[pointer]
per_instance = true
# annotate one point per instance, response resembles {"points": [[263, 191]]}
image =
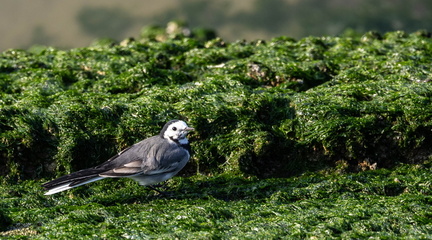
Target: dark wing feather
{"points": [[73, 178], [128, 169]]}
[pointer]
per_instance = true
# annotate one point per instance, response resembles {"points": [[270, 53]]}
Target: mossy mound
{"points": [[274, 108], [381, 204]]}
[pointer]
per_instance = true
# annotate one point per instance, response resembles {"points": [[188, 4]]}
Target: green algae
{"points": [[388, 203], [349, 99], [313, 111]]}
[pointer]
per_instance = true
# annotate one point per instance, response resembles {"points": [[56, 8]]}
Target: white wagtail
{"points": [[150, 161]]}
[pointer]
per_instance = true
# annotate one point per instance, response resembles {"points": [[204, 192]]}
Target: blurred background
{"points": [[68, 24]]}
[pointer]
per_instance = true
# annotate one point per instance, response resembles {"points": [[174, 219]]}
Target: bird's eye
{"points": [[174, 129]]}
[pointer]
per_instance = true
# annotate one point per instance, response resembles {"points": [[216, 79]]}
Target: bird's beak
{"points": [[189, 129]]}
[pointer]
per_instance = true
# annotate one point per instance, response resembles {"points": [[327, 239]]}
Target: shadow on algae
{"points": [[322, 137]]}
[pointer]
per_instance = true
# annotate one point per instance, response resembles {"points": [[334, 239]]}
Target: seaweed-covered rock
{"points": [[274, 108]]}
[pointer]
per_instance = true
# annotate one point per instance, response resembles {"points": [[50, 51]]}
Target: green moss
{"points": [[371, 119], [317, 101], [388, 203], [313, 111]]}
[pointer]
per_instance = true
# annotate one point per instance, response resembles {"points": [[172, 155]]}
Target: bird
{"points": [[150, 161]]}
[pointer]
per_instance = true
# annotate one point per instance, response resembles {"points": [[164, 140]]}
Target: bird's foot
{"points": [[162, 193]]}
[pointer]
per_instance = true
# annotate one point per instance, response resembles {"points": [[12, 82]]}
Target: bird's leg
{"points": [[155, 189]]}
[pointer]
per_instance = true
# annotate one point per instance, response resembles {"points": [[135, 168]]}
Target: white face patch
{"points": [[177, 132]]}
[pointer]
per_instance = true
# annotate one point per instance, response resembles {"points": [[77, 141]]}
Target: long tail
{"points": [[72, 180]]}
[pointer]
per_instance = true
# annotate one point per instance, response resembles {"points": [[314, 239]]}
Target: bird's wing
{"points": [[148, 158], [126, 170], [127, 162]]}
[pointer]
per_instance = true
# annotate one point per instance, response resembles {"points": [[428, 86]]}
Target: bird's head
{"points": [[176, 131]]}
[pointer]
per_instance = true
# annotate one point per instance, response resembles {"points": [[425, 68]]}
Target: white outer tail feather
{"points": [[66, 186]]}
